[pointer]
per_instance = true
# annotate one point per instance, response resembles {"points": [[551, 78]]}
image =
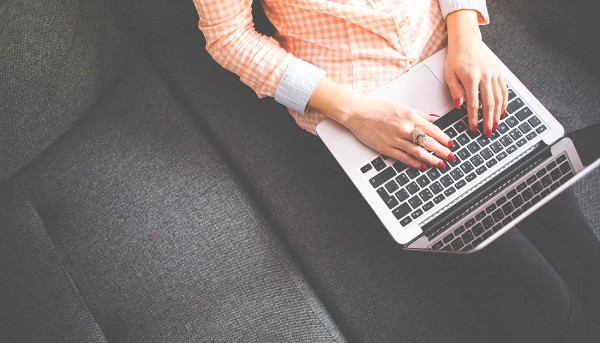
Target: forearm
{"points": [[334, 100], [463, 28]]}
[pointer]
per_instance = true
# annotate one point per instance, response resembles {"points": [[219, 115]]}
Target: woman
{"points": [[326, 55]]}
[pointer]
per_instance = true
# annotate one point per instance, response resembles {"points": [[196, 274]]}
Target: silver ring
{"points": [[419, 137]]}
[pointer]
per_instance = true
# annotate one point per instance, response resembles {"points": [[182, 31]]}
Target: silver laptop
{"points": [[494, 184]]}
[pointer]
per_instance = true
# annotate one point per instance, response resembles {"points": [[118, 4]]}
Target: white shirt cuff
{"points": [[449, 6], [297, 84]]}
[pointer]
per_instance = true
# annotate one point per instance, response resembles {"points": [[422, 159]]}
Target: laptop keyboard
{"points": [[495, 215], [410, 193]]}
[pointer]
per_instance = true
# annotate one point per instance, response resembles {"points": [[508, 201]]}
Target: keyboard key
{"points": [[402, 179], [481, 170], [483, 141], [460, 184], [531, 179], [501, 156], [428, 206], [460, 126], [423, 181], [551, 165], [406, 221], [565, 168], [487, 234], [536, 199], [458, 231], [546, 181], [412, 188], [476, 160], [402, 195], [426, 194], [415, 202], [436, 187], [498, 215], [501, 201], [534, 121], [561, 158], [531, 135], [496, 147], [391, 186], [540, 173], [521, 142], [517, 201], [515, 134], [457, 243], [527, 194], [412, 173], [486, 153], [507, 208], [511, 193], [463, 154], [480, 215], [382, 177], [400, 167], [447, 180], [401, 211], [473, 147], [451, 132], [366, 168], [478, 230], [537, 187], [470, 223], [456, 174], [438, 245], [505, 140], [449, 238], [514, 105], [541, 129], [517, 213], [473, 135], [525, 127], [491, 163], [471, 177], [433, 173], [389, 200], [378, 163], [511, 149], [512, 121], [476, 242], [463, 139], [466, 167], [511, 94], [467, 237], [523, 113], [487, 222], [438, 199], [555, 174], [502, 128], [416, 214], [490, 208], [448, 192]]}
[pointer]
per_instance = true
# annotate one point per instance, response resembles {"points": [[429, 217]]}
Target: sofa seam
{"points": [[62, 264]]}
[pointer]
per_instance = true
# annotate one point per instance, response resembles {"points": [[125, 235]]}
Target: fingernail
{"points": [[451, 157], [450, 144], [441, 164], [473, 128], [503, 113], [495, 126], [434, 115], [488, 133], [424, 167], [457, 103]]}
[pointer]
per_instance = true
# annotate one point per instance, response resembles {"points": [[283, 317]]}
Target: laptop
{"points": [[494, 183]]}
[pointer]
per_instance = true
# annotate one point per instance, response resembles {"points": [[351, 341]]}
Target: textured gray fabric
{"points": [[57, 58], [38, 300], [364, 279], [160, 240]]}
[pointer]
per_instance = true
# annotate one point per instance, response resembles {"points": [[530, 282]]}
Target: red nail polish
{"points": [[473, 129], [457, 103], [495, 126], [434, 115], [503, 113], [441, 164], [488, 133], [450, 144], [451, 157], [424, 167]]}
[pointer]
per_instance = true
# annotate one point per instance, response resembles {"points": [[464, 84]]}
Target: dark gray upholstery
{"points": [[57, 59]]}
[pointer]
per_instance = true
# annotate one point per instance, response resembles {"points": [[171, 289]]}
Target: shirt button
{"points": [[411, 61], [403, 22]]}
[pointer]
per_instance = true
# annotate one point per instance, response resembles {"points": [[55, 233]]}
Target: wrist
{"points": [[335, 101], [463, 28]]}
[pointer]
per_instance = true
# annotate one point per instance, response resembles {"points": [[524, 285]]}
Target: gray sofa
{"points": [[146, 195]]}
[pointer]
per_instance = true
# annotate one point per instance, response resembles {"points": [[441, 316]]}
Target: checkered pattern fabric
{"points": [[362, 44]]}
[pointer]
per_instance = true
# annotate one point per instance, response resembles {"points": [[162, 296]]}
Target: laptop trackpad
{"points": [[419, 89]]}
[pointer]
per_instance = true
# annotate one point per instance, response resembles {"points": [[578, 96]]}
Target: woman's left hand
{"points": [[472, 74]]}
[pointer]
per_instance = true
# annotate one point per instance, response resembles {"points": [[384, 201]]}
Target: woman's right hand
{"points": [[387, 127]]}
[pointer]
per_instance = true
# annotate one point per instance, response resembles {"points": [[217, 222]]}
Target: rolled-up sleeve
{"points": [[449, 6], [259, 60]]}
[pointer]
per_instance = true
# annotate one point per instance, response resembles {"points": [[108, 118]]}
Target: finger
{"points": [[405, 158], [488, 105], [504, 90], [441, 151], [420, 153], [437, 134], [498, 101], [471, 91], [455, 88]]}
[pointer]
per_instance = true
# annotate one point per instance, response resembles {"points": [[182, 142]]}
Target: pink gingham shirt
{"points": [[362, 44]]}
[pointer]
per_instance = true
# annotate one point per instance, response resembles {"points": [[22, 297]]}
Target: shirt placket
{"points": [[399, 13]]}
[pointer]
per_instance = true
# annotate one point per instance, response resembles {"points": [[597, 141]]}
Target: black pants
{"points": [[542, 281]]}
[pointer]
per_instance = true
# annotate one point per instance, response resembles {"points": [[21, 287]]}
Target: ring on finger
{"points": [[419, 137]]}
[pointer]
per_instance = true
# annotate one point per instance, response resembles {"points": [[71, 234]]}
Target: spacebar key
{"points": [[382, 177]]}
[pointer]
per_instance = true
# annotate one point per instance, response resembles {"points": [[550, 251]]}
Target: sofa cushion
{"points": [[159, 239], [58, 56]]}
